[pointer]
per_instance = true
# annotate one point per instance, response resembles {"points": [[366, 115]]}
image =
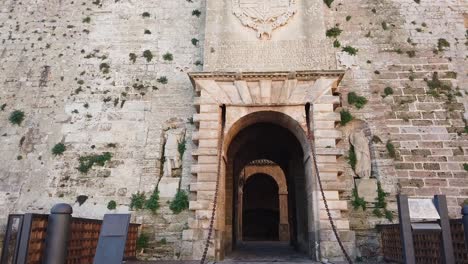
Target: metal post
{"points": [[406, 233], [58, 233], [465, 224], [22, 255], [440, 202]]}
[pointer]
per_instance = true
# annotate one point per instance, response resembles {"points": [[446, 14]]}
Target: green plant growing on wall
{"points": [[384, 25], [377, 212], [16, 117], [111, 205], [388, 215], [195, 41], [411, 53], [145, 14], [2, 108], [442, 44], [196, 13], [465, 166], [153, 201], [87, 162], [328, 2], [168, 57], [381, 204], [132, 57], [162, 79], [180, 202], [336, 43], [147, 32], [181, 147], [435, 83], [142, 241], [352, 159], [381, 196], [148, 55], [388, 91], [58, 149], [358, 202], [350, 50], [86, 20], [137, 201], [391, 149], [348, 18], [356, 100], [346, 117], [333, 32], [104, 68]]}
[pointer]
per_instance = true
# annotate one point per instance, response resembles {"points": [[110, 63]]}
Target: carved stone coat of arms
{"points": [[264, 15]]}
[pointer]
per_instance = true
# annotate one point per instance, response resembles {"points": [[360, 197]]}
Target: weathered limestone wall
{"points": [[427, 131], [67, 66], [52, 56]]}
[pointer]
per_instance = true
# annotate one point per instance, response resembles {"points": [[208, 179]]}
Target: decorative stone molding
{"points": [[264, 16]]}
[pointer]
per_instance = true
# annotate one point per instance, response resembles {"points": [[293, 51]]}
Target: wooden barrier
{"points": [[427, 246], [82, 244]]}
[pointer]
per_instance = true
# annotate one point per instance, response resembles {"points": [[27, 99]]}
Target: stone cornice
{"points": [[278, 75]]}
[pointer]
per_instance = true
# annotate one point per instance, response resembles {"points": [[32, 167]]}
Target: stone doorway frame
{"points": [[276, 173], [222, 100]]}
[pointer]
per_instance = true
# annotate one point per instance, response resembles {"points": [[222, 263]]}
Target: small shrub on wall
{"points": [[16, 117], [58, 149], [137, 201], [111, 205], [180, 202]]}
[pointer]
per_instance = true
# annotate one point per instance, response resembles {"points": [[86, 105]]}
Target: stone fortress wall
{"points": [[67, 66], [54, 56]]}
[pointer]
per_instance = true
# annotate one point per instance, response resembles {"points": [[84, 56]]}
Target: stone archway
{"points": [[271, 169], [229, 104]]}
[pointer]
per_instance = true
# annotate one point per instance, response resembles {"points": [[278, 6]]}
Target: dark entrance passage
{"points": [[260, 209], [269, 205]]}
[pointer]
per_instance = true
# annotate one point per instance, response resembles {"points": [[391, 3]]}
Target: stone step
{"points": [[198, 168], [205, 152], [205, 117], [330, 151]]}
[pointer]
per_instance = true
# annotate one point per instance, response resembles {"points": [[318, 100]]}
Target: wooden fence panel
{"points": [[426, 245], [84, 236]]}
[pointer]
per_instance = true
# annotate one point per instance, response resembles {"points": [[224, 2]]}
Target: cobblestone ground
{"points": [[256, 252], [266, 252]]}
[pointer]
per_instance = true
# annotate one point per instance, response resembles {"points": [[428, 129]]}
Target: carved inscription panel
{"points": [[266, 55]]}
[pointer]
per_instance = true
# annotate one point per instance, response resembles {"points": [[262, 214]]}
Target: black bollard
{"points": [[58, 233], [465, 223]]}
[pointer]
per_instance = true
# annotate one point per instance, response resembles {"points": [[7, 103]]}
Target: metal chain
{"points": [[310, 137], [215, 199]]}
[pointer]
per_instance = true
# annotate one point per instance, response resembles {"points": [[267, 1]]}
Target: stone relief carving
{"points": [[172, 157], [346, 61], [264, 16], [361, 147], [174, 140]]}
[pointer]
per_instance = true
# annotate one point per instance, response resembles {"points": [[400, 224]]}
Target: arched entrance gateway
{"points": [[254, 156]]}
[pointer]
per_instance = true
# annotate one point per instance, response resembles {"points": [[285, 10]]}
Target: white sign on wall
{"points": [[422, 209]]}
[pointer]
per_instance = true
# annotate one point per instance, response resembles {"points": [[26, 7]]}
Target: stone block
{"points": [[168, 187], [367, 189]]}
